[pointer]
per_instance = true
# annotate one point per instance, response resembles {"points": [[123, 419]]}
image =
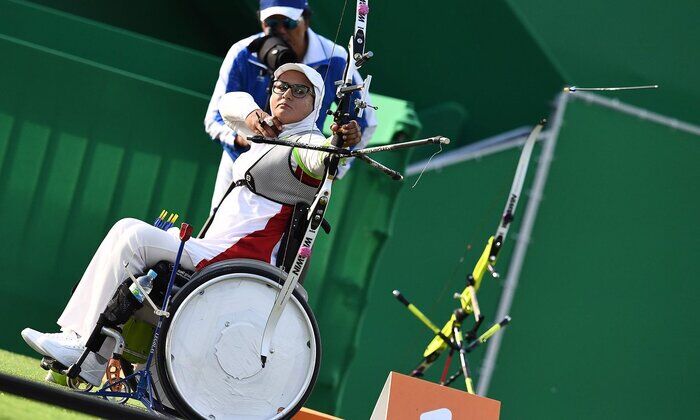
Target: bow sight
{"points": [[345, 87]]}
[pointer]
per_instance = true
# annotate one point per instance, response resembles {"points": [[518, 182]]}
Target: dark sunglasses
{"points": [[288, 23], [298, 91]]}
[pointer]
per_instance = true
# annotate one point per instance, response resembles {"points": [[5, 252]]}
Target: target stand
{"points": [[405, 397]]}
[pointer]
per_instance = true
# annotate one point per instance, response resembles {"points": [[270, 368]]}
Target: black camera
{"points": [[273, 51]]}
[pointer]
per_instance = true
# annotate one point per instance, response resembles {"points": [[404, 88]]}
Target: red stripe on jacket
{"points": [[257, 245]]}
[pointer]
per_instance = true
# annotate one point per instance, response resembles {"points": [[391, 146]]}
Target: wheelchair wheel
{"points": [[209, 349]]}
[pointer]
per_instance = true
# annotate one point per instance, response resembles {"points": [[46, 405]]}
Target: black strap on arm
{"points": [[210, 219]]}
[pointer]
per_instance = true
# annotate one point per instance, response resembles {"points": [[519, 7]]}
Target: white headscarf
{"points": [[234, 107], [309, 122]]}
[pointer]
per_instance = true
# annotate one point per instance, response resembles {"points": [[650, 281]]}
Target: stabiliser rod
{"points": [[396, 176], [424, 319], [476, 343], [397, 146]]}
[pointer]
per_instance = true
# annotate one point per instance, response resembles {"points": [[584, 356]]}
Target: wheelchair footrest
{"points": [[48, 363]]}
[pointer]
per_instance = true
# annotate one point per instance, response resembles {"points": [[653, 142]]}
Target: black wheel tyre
{"points": [[212, 272]]}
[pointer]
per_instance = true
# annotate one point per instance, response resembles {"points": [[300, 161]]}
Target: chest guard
{"points": [[272, 177]]}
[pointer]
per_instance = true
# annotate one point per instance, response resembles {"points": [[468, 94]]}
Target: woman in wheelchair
{"points": [[249, 223]]}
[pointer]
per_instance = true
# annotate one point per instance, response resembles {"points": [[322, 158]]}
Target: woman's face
{"points": [[288, 108]]}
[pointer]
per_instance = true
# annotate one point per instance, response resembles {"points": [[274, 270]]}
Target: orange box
{"points": [[308, 414], [408, 398]]}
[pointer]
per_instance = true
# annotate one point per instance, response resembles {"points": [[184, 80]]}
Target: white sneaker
{"points": [[33, 337], [67, 350]]}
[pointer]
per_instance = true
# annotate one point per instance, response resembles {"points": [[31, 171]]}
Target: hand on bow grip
{"points": [[350, 133]]}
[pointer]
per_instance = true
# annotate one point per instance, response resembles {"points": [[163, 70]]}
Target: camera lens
{"points": [[274, 52]]}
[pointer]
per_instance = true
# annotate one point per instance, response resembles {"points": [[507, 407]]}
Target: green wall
{"points": [[603, 318], [622, 43], [159, 61], [209, 26], [82, 146], [605, 309]]}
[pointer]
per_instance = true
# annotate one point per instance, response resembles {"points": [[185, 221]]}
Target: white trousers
{"points": [[224, 178], [135, 241]]}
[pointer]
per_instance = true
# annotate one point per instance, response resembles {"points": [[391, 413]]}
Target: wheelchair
{"points": [[240, 340], [206, 360]]}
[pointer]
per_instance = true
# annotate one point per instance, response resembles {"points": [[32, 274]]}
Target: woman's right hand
{"points": [[260, 122]]}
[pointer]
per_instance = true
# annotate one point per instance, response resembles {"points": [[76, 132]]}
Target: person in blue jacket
{"points": [[244, 71]]}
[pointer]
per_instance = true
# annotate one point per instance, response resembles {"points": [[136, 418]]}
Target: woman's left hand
{"points": [[350, 133]]}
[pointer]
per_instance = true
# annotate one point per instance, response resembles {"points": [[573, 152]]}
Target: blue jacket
{"points": [[241, 71]]}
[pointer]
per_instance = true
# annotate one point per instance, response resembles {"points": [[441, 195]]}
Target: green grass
{"points": [[13, 407]]}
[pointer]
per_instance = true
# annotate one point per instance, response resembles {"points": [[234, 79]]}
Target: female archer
{"points": [[250, 221]]}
